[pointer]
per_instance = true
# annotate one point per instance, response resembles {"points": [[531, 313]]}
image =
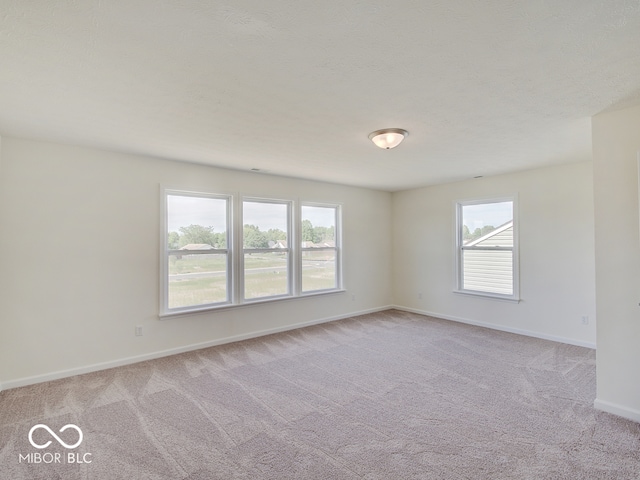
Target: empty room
{"points": [[331, 240]]}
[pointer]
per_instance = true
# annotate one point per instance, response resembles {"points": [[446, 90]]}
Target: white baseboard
{"points": [[618, 410], [518, 331], [47, 377]]}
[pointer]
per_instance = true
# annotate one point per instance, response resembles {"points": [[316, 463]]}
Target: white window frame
{"points": [[288, 250], [235, 250], [337, 249], [166, 253], [460, 247]]}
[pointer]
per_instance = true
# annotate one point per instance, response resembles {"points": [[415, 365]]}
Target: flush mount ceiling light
{"points": [[388, 137]]}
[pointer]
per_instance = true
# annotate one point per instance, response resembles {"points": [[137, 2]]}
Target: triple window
{"points": [[220, 250], [487, 260]]}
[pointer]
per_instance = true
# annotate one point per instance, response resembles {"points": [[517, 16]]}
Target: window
{"points": [[487, 248], [197, 261], [320, 254], [227, 250], [266, 248]]}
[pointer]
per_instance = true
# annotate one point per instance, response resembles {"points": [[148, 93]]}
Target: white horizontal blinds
{"points": [[197, 257], [487, 250], [320, 248], [266, 248]]}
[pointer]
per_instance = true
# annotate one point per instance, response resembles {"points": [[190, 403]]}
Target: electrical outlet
{"points": [[420, 296], [138, 330], [353, 298], [585, 320]]}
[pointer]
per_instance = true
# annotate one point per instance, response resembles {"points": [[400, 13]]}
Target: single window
{"points": [[197, 257], [320, 248], [266, 248], [487, 248]]}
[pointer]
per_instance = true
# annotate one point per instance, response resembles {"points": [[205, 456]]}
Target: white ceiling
{"points": [[293, 87]]}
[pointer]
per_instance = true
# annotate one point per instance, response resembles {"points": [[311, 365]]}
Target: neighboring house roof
{"points": [[197, 246], [278, 244], [330, 244], [497, 231]]}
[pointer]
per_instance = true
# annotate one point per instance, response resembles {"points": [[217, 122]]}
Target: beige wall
{"points": [[616, 143], [79, 252], [557, 273]]}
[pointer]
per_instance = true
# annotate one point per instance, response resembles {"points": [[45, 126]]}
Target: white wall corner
{"points": [[618, 410]]}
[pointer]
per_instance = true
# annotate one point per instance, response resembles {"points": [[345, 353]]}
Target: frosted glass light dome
{"points": [[388, 137]]}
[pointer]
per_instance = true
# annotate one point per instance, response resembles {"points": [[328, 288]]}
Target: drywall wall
{"points": [[80, 259], [557, 273], [616, 143]]}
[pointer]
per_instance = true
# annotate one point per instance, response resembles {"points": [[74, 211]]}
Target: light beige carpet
{"points": [[390, 395]]}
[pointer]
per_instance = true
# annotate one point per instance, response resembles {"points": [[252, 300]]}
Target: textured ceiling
{"points": [[294, 88]]}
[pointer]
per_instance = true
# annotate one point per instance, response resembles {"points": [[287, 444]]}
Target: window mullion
{"points": [[238, 260]]}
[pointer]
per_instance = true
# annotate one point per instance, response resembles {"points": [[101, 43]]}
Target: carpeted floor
{"points": [[390, 395]]}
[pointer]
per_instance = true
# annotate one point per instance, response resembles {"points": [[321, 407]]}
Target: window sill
{"points": [[247, 303], [489, 296]]}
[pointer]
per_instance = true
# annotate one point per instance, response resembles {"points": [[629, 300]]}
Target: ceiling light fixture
{"points": [[388, 137]]}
